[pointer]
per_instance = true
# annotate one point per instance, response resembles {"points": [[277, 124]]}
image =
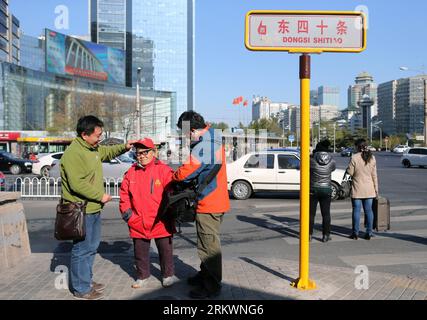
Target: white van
{"points": [[415, 157]]}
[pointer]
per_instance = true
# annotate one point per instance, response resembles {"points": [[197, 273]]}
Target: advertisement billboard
{"points": [[72, 56]]}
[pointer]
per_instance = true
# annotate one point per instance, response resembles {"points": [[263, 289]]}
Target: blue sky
{"points": [[225, 69]]}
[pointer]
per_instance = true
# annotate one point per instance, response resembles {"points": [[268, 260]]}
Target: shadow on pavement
{"points": [[263, 267]]}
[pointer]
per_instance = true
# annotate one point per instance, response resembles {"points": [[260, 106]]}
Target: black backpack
{"points": [[181, 200]]}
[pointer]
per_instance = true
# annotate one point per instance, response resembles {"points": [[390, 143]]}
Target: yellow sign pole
{"points": [[303, 282]]}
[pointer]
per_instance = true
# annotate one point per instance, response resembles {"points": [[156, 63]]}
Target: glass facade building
{"points": [[9, 34], [40, 101], [328, 96], [32, 53], [159, 39]]}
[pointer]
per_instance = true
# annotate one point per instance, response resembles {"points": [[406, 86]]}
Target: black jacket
{"points": [[321, 167]]}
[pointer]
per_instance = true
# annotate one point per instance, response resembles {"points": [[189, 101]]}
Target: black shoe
{"points": [[195, 280], [202, 293], [368, 236], [354, 236], [326, 238]]}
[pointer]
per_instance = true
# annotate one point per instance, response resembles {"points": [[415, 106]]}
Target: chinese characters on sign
{"points": [[305, 31]]}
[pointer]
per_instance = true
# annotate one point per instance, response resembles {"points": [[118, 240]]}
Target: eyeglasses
{"points": [[144, 152]]}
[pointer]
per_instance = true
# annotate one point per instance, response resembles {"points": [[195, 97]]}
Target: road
{"points": [[267, 226]]}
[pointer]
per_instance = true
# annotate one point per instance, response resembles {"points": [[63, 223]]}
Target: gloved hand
{"points": [[126, 215]]}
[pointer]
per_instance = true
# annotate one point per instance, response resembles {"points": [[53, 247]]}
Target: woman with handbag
{"points": [[141, 194], [364, 189]]}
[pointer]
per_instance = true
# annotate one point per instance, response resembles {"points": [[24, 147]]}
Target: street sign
{"points": [[305, 31], [291, 138]]}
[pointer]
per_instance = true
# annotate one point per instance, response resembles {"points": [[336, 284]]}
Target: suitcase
{"points": [[381, 208]]}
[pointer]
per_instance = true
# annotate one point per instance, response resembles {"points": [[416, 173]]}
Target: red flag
{"points": [[235, 101], [245, 104], [240, 99]]}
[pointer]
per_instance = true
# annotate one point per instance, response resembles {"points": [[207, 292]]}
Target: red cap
{"points": [[146, 142]]}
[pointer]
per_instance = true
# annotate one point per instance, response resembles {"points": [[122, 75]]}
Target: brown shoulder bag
{"points": [[70, 220]]}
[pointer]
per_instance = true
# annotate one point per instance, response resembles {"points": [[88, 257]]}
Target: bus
{"points": [[37, 146]]}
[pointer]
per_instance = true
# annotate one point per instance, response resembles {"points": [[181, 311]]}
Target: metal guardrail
{"points": [[50, 188]]}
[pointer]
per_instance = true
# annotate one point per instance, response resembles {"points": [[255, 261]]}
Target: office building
{"points": [[33, 52], [158, 37], [387, 106], [43, 101], [328, 96], [10, 34]]}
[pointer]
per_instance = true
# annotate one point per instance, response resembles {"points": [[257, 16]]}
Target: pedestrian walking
{"points": [[207, 151], [141, 193], [363, 171], [321, 167], [82, 181]]}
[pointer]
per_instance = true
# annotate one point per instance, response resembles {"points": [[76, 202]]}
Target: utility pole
{"points": [[334, 136], [138, 103]]}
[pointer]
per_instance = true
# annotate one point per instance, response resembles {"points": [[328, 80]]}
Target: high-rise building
{"points": [[387, 106], [33, 52], [9, 34], [314, 97], [364, 84], [264, 108], [329, 96], [410, 104], [158, 37]]}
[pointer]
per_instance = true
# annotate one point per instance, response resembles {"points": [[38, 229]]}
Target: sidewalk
{"points": [[243, 279]]}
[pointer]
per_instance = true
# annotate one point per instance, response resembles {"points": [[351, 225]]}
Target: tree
{"points": [[219, 125]]}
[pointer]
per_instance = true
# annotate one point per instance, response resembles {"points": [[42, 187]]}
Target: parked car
{"points": [[13, 164], [2, 181], [400, 148], [114, 169], [415, 157], [42, 167], [270, 171], [347, 152]]}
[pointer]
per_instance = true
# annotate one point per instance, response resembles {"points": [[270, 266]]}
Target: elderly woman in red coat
{"points": [[140, 197]]}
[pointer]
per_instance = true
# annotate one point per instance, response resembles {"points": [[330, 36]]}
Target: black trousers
{"points": [[325, 209], [142, 257]]}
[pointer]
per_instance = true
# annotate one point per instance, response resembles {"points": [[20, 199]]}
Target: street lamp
{"points": [[138, 103], [422, 69], [381, 133]]}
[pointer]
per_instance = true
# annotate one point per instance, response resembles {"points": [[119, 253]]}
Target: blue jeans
{"points": [[83, 255], [367, 208]]}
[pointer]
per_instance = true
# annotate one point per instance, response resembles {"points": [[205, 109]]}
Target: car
{"points": [[347, 152], [371, 148], [400, 148], [13, 164], [2, 181], [114, 169], [42, 167], [415, 157], [276, 171]]}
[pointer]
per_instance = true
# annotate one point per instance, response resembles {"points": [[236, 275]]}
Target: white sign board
{"points": [[305, 31]]}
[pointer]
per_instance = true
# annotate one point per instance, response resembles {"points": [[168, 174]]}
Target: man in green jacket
{"points": [[82, 180]]}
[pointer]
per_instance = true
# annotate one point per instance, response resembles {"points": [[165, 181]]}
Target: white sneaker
{"points": [[169, 281], [139, 283]]}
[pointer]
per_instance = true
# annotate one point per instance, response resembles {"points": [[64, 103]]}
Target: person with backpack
{"points": [[363, 171], [321, 167], [141, 193], [206, 152]]}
